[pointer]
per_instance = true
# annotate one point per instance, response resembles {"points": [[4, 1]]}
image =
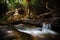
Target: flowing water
{"points": [[38, 33], [27, 33]]}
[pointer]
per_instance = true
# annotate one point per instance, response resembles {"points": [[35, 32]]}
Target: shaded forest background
{"points": [[38, 6]]}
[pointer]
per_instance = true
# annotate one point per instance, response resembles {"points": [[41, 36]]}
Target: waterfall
{"points": [[36, 32]]}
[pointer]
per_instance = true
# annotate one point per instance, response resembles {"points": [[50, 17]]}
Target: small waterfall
{"points": [[37, 32]]}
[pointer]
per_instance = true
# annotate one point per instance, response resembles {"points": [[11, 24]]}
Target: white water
{"points": [[37, 32]]}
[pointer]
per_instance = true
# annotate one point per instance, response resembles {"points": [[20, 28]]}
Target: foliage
{"points": [[25, 3], [38, 6], [3, 9]]}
